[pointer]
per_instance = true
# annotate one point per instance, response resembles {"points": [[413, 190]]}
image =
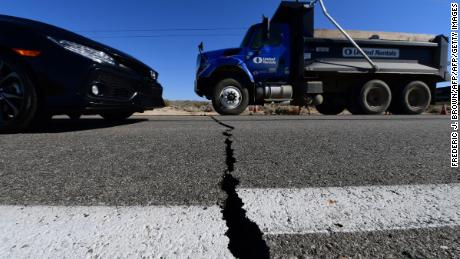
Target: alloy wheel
{"points": [[12, 93]]}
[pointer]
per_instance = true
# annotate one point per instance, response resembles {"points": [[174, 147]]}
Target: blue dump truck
{"points": [[280, 60]]}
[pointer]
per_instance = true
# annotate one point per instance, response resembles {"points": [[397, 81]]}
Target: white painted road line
{"points": [[352, 209], [109, 232]]}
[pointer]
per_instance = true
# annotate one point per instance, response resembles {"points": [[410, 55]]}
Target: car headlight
{"points": [[87, 52]]}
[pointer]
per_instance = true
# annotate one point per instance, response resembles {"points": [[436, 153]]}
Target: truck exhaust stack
{"points": [[326, 13]]}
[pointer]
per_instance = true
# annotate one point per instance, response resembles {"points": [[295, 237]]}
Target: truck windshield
{"points": [[249, 34], [255, 40]]}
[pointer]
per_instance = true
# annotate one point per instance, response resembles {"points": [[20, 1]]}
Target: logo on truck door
{"points": [[371, 52], [267, 61]]}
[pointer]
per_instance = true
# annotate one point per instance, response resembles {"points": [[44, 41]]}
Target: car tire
{"points": [[230, 97], [19, 101], [116, 117], [375, 97], [415, 98], [331, 106]]}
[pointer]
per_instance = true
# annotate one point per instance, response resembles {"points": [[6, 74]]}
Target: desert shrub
{"points": [[434, 109], [207, 108], [190, 106], [268, 109], [287, 110]]}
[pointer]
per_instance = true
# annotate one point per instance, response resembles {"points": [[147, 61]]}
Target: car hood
{"points": [[62, 34]]}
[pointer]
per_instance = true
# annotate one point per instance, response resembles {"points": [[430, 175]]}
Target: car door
{"points": [[269, 60]]}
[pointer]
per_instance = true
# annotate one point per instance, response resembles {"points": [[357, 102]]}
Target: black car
{"points": [[46, 71]]}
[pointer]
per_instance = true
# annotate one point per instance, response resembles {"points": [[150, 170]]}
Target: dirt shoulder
{"points": [[198, 108]]}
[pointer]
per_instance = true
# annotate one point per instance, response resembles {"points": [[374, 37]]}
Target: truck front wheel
{"points": [[230, 97], [416, 97], [375, 97], [332, 105]]}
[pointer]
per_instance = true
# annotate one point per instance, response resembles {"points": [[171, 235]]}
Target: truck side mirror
{"points": [[266, 28]]}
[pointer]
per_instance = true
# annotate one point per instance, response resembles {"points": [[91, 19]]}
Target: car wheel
{"points": [[375, 97], [114, 117], [331, 106], [230, 97], [416, 98], [18, 97]]}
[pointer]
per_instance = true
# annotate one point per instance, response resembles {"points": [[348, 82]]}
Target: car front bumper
{"points": [[67, 86], [65, 81], [122, 90]]}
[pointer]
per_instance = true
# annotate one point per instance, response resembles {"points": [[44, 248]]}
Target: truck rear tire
{"points": [[375, 97], [230, 97], [415, 98], [331, 106]]}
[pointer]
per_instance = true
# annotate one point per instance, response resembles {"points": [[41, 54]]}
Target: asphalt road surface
{"points": [[223, 187]]}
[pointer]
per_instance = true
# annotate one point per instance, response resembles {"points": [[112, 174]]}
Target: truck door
{"points": [[270, 60]]}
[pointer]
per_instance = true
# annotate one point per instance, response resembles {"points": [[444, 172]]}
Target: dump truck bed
{"points": [[356, 34], [385, 66], [412, 56]]}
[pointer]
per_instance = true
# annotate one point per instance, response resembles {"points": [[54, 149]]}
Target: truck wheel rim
{"points": [[12, 94], [230, 97], [417, 98], [377, 97]]}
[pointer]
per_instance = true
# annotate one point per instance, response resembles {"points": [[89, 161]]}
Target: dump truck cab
{"points": [[258, 59]]}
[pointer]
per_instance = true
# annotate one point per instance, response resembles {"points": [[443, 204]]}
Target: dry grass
{"points": [[190, 106], [276, 109], [436, 109]]}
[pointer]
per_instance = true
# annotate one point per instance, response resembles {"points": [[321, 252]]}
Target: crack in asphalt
{"points": [[246, 238]]}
